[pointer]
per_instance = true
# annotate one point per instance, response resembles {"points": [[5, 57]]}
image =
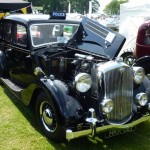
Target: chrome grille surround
{"points": [[117, 79]]}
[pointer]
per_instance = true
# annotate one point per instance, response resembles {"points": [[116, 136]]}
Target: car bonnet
{"points": [[96, 39]]}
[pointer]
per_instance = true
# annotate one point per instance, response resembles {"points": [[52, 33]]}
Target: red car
{"points": [[142, 50], [143, 41]]}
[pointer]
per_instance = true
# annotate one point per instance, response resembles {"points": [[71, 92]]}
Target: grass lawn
{"points": [[18, 132]]}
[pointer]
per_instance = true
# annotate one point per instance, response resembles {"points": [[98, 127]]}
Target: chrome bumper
{"points": [[72, 135]]}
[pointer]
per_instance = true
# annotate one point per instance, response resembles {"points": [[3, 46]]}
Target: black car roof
{"points": [[26, 18]]}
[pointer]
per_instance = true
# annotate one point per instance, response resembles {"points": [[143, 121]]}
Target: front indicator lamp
{"points": [[107, 105], [139, 74], [142, 99]]}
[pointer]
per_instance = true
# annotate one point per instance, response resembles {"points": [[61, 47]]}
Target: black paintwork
{"points": [[92, 37], [60, 66], [21, 62]]}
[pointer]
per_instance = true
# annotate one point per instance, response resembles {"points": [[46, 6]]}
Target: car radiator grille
{"points": [[119, 87]]}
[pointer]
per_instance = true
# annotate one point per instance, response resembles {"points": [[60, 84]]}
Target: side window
{"points": [[7, 31], [147, 37], [0, 31], [20, 35]]}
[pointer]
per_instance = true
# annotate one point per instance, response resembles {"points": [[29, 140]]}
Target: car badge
{"points": [[121, 70]]}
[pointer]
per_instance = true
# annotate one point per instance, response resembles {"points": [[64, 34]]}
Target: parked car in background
{"points": [[68, 70], [142, 50]]}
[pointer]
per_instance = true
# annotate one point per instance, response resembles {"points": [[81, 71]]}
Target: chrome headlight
{"points": [[107, 105], [83, 82], [142, 99], [139, 74]]}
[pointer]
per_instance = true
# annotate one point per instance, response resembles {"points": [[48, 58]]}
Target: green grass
{"points": [[18, 132]]}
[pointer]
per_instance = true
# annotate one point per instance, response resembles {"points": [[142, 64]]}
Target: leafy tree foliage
{"points": [[114, 7], [95, 6], [80, 6]]}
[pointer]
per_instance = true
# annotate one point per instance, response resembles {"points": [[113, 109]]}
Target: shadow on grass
{"points": [[137, 140], [26, 111]]}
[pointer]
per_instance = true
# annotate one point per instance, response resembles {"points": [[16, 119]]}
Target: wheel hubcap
{"points": [[47, 116], [129, 60]]}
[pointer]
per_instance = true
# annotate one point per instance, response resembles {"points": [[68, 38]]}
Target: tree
{"points": [[95, 6], [80, 6], [114, 7], [50, 5]]}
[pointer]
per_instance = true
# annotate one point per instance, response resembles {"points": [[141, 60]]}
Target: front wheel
{"points": [[48, 118]]}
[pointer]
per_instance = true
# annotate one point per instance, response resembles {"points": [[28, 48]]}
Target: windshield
{"points": [[43, 34]]}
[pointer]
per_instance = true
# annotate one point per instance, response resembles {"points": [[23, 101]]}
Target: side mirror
{"points": [[38, 71]]}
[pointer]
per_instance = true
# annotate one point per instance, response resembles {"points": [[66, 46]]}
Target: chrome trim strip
{"points": [[72, 135]]}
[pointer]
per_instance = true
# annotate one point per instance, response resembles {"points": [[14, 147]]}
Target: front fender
{"points": [[66, 104], [143, 87], [145, 63]]}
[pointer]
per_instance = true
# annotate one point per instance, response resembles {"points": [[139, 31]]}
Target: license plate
{"points": [[112, 133]]}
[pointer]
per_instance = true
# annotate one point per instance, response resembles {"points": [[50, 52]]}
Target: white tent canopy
{"points": [[133, 12], [132, 15]]}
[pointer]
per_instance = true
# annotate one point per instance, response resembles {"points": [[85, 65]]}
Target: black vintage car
{"points": [[69, 71]]}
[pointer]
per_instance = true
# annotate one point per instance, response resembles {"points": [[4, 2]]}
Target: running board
{"points": [[12, 86]]}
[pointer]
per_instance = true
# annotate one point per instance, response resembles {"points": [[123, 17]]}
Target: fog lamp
{"points": [[139, 74], [83, 82], [107, 105], [142, 99]]}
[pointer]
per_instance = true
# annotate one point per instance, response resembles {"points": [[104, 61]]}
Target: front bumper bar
{"points": [[72, 135]]}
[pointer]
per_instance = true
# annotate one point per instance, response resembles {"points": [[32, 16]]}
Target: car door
{"points": [[0, 35], [19, 56]]}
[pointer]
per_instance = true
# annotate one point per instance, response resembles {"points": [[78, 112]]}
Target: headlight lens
{"points": [[107, 105], [83, 82], [142, 99], [138, 75]]}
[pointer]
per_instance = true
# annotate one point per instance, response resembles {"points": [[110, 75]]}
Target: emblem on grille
{"points": [[121, 70]]}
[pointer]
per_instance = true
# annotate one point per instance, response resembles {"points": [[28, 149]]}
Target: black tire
{"points": [[48, 118]]}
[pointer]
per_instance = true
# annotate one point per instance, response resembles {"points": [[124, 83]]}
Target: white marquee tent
{"points": [[132, 15]]}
